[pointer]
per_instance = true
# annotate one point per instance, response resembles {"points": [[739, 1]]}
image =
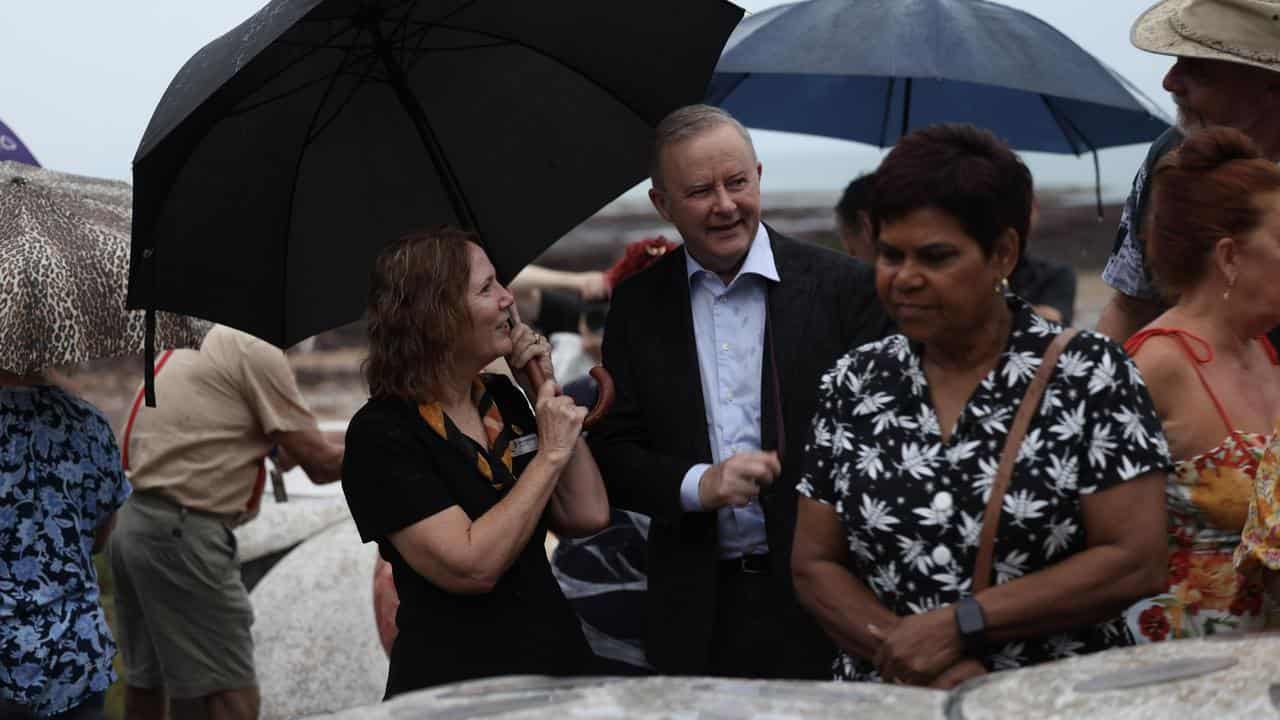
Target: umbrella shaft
{"points": [[400, 83]]}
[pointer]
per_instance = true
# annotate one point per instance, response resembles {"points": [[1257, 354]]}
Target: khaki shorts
{"points": [[183, 616]]}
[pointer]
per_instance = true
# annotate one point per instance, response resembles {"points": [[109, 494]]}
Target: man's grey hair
{"points": [[688, 122]]}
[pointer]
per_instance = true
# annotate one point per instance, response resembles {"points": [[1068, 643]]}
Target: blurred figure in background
{"points": [[853, 219], [1050, 288], [551, 300], [60, 484], [197, 467]]}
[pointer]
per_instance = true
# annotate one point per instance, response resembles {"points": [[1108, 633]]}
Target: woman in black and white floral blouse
{"points": [[908, 436]]}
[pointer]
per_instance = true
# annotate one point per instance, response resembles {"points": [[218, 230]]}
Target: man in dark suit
{"points": [[716, 352]]}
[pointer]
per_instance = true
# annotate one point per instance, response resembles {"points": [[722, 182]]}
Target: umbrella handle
{"points": [[604, 400]]}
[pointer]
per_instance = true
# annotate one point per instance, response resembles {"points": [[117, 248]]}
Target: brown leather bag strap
{"points": [[1008, 456]]}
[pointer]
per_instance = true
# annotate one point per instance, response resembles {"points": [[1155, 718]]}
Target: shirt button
{"points": [[725, 346]]}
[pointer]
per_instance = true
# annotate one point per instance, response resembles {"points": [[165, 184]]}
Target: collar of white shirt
{"points": [[759, 260]]}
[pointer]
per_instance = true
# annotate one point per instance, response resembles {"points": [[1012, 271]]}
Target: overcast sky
{"points": [[80, 78]]}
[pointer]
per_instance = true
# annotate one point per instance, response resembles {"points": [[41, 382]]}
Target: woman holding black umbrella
{"points": [[457, 480], [984, 490]]}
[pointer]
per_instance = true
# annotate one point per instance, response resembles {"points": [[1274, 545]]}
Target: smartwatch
{"points": [[972, 625]]}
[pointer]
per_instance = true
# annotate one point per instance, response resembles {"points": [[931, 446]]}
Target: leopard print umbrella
{"points": [[64, 267]]}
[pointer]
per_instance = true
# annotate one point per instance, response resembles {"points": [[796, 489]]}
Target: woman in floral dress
{"points": [[908, 436], [61, 482], [1214, 249]]}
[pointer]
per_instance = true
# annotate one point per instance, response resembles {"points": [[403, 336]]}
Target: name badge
{"points": [[524, 445]]}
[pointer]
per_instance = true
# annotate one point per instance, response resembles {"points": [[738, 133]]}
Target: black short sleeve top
{"points": [[398, 471]]}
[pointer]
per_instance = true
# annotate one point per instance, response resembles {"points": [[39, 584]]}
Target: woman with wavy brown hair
{"points": [[1214, 249], [457, 479]]}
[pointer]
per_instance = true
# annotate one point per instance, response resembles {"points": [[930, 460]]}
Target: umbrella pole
{"points": [[149, 355], [400, 83], [1097, 182], [906, 108]]}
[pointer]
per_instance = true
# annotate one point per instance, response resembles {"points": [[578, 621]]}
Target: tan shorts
{"points": [[183, 616]]}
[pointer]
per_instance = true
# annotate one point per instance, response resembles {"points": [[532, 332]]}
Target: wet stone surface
{"points": [[316, 647], [282, 525], [529, 697], [1217, 678]]}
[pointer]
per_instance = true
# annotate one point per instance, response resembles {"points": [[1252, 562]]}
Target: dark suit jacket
{"points": [[824, 305]]}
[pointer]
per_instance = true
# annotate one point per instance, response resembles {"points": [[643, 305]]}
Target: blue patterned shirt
{"points": [[60, 479]]}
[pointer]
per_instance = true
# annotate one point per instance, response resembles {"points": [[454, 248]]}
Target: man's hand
{"points": [[738, 480], [920, 648]]}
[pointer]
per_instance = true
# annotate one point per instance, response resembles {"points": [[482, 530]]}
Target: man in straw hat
{"points": [[1227, 73]]}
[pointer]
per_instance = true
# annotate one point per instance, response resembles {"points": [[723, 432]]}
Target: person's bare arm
{"points": [[320, 457], [1125, 560], [1124, 315], [579, 505], [588, 285], [469, 557], [841, 603], [463, 555], [103, 532]]}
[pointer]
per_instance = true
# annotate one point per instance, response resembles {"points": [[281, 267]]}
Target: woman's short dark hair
{"points": [[417, 311], [961, 170], [1202, 192]]}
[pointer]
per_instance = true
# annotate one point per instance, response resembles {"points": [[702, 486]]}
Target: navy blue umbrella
{"points": [[873, 70], [11, 148]]}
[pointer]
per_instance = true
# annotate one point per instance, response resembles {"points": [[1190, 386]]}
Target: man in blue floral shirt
{"points": [[60, 483]]}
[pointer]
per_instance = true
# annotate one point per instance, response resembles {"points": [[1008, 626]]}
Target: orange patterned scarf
{"points": [[496, 430]]}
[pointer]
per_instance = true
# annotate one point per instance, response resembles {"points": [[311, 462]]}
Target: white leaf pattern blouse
{"points": [[912, 505]]}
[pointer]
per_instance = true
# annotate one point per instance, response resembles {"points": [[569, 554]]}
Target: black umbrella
{"points": [[287, 152]]}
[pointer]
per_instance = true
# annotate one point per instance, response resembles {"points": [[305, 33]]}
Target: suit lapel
{"points": [[685, 378], [788, 325]]}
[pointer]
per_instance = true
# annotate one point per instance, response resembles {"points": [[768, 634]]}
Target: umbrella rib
{"points": [[355, 87], [606, 90], [307, 139], [286, 94], [1068, 131], [736, 83], [888, 104], [290, 66]]}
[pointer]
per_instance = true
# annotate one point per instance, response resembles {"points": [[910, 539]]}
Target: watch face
{"points": [[969, 617]]}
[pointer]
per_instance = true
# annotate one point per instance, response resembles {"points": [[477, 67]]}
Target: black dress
{"points": [[397, 471]]}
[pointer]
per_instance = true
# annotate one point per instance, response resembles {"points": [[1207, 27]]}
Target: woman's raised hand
{"points": [[559, 423], [528, 346]]}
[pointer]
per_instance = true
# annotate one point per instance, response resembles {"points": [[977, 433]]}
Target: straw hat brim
{"points": [[1153, 31]]}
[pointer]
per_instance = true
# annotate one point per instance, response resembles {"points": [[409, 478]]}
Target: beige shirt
{"points": [[202, 447]]}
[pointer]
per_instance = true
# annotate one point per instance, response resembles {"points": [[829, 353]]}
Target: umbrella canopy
{"points": [[873, 70], [286, 153], [64, 263], [11, 148]]}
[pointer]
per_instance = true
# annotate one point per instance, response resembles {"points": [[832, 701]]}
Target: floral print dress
{"points": [[1259, 550], [912, 505], [60, 479], [1208, 498]]}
